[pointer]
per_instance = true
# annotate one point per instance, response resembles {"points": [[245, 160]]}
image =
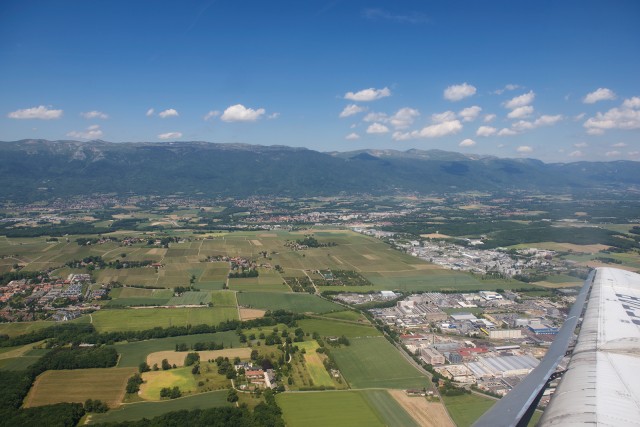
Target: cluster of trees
{"points": [[97, 261], [170, 392], [97, 406], [75, 358], [85, 333], [225, 367], [312, 242], [134, 383], [448, 389], [191, 359], [243, 273]]}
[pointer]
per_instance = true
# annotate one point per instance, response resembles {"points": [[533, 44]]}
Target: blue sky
{"points": [[554, 80]]}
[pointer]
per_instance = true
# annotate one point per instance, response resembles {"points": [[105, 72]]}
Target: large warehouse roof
{"points": [[601, 385]]}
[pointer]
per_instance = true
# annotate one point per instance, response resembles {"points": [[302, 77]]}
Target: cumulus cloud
{"points": [[168, 113], [350, 110], [547, 120], [92, 132], [614, 153], [94, 115], [522, 125], [150, 112], [376, 117], [581, 145], [273, 116], [458, 92], [467, 143], [433, 131], [521, 112], [240, 113], [211, 114], [170, 135], [470, 114], [600, 94], [524, 149], [352, 136], [520, 101], [576, 153], [403, 118], [377, 128], [41, 112], [486, 131], [506, 88], [489, 118], [579, 117], [619, 145], [506, 132], [627, 117], [367, 95], [446, 116]]}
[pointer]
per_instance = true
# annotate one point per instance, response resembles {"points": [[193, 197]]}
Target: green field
{"points": [[224, 299], [347, 315], [296, 302], [191, 298], [139, 410], [330, 408], [466, 409], [19, 328], [336, 328], [154, 381], [313, 364], [392, 413], [375, 363], [148, 318], [78, 385], [134, 353]]}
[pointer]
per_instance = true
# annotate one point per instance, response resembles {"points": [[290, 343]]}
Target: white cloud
{"points": [[522, 125], [150, 112], [403, 118], [486, 131], [377, 128], [521, 112], [458, 92], [470, 114], [612, 153], [239, 113], [352, 136], [273, 116], [632, 102], [579, 117], [376, 117], [547, 120], [524, 149], [432, 131], [168, 113], [627, 117], [41, 112], [581, 145], [506, 132], [600, 94], [211, 114], [506, 88], [92, 132], [576, 153], [350, 110], [446, 116], [467, 143], [520, 101], [170, 135], [489, 118], [94, 115], [366, 95], [619, 145], [633, 153]]}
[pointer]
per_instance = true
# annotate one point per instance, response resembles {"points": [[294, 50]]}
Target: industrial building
{"points": [[432, 356], [503, 366]]}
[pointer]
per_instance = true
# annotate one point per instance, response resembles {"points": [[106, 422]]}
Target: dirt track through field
{"points": [[425, 413]]}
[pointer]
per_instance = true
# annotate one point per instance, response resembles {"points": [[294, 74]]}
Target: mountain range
{"points": [[36, 169]]}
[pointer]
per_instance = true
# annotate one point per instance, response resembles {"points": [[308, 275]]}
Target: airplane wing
{"points": [[600, 385]]}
